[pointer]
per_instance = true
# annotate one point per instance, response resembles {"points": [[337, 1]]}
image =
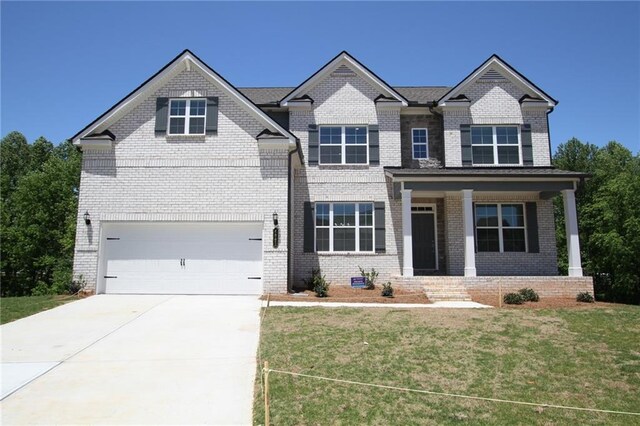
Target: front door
{"points": [[424, 239]]}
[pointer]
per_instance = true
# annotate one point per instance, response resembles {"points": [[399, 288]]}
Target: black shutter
{"points": [[475, 231], [374, 145], [380, 227], [465, 144], [309, 228], [532, 227], [162, 113], [212, 116], [313, 145], [527, 147]]}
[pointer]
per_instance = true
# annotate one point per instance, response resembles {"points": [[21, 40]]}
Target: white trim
{"points": [[343, 59], [173, 68], [433, 212], [503, 68], [495, 145], [103, 143], [476, 178], [331, 227], [500, 227], [343, 145], [413, 143]]}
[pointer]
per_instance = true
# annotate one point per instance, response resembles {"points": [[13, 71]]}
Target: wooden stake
{"points": [[266, 393]]}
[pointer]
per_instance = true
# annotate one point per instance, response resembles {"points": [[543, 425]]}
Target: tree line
{"points": [[39, 201]]}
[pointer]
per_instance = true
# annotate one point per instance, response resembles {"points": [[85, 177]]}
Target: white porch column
{"points": [[469, 238], [407, 239], [573, 239]]}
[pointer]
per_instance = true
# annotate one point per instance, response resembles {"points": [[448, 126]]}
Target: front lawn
{"points": [[13, 308], [584, 357]]}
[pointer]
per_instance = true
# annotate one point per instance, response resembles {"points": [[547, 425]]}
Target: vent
{"points": [[343, 71], [492, 75]]}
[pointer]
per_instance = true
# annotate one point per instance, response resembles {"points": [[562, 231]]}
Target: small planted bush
{"points": [[318, 283], [529, 295], [513, 299], [387, 290], [585, 297], [371, 277]]}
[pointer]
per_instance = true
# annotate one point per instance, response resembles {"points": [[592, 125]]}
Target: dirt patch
{"points": [[352, 295], [543, 303]]}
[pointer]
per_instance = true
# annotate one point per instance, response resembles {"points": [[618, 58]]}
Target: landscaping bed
{"points": [[354, 295], [543, 303]]}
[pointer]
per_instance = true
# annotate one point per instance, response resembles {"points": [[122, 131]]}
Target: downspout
{"points": [[289, 209], [549, 137]]}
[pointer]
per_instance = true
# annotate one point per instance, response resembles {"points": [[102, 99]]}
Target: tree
{"points": [[609, 215]]}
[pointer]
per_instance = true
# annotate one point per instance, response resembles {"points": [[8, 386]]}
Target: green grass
{"points": [[579, 357], [13, 308]]}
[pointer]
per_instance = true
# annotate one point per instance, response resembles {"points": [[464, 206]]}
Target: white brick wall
{"points": [[495, 102], [221, 177]]}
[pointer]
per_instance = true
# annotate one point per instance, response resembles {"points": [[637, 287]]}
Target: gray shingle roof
{"points": [[414, 94], [488, 172]]}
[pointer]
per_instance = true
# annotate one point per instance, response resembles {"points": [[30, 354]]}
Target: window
{"points": [[343, 145], [420, 143], [187, 116], [344, 227], [495, 145], [500, 227]]}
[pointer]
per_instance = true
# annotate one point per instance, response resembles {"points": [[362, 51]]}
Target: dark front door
{"points": [[424, 242]]}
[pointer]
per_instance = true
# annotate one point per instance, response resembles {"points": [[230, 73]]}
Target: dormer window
{"points": [[344, 145], [187, 116], [495, 145]]}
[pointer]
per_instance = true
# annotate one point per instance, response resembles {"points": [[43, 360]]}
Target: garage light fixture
{"points": [[87, 218]]}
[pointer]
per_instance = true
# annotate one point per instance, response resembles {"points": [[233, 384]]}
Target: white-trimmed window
{"points": [[187, 116], [500, 228], [420, 143], [496, 145], [344, 145], [344, 227]]}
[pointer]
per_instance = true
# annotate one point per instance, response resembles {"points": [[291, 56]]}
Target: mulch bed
{"points": [[352, 295], [543, 303]]}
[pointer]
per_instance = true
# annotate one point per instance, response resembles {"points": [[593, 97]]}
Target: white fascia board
{"points": [[331, 66], [477, 178], [514, 77]]}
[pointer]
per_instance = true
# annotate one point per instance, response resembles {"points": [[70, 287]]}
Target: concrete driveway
{"points": [[112, 359]]}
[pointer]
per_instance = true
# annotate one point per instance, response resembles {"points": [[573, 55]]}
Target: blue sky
{"points": [[65, 63]]}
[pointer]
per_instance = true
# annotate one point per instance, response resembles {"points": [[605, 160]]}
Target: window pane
{"points": [[419, 136], [344, 239], [322, 239], [322, 215], [356, 154], [197, 107], [355, 135], [178, 107], [366, 214], [512, 215], [508, 155], [482, 155], [488, 240], [344, 215], [196, 125], [482, 135], [419, 151], [331, 135], [366, 239], [507, 135], [513, 239], [486, 215], [176, 126], [330, 154]]}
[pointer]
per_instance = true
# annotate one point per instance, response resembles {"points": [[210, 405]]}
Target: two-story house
{"points": [[191, 185]]}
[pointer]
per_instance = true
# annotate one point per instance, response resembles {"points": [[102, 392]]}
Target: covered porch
{"points": [[492, 222]]}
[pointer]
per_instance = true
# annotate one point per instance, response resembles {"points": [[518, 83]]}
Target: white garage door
{"points": [[189, 258]]}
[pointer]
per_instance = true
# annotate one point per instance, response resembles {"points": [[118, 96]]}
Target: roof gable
{"points": [[496, 69], [344, 64], [185, 60]]}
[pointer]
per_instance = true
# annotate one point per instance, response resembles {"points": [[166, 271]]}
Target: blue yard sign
{"points": [[358, 282]]}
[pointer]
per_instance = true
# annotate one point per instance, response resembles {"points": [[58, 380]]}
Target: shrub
{"points": [[318, 283], [387, 290], [513, 299], [77, 285], [371, 277], [584, 297], [529, 294]]}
